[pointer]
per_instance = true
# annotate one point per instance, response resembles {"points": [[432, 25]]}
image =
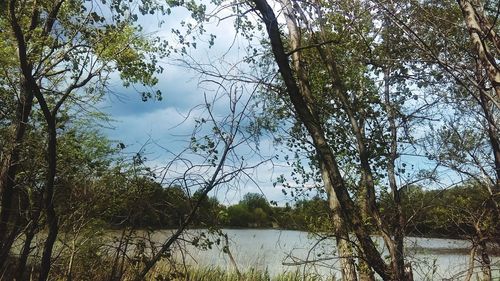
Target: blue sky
{"points": [[169, 123]]}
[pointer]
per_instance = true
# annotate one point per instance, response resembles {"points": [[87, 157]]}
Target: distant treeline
{"points": [[452, 212]]}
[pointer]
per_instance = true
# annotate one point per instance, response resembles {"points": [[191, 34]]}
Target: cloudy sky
{"points": [[161, 129]]}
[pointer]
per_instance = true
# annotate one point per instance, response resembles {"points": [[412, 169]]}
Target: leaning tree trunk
{"points": [[26, 66], [11, 162], [479, 40], [370, 210], [26, 249], [470, 269], [10, 165]]}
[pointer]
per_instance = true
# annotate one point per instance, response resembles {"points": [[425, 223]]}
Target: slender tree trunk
{"points": [[9, 240], [369, 208], [117, 257], [231, 258], [341, 230], [50, 117], [397, 255], [10, 166], [483, 250], [367, 184], [485, 261], [124, 256], [29, 235], [365, 271], [69, 271], [493, 134], [11, 162], [470, 269], [480, 31], [23, 259], [49, 192]]}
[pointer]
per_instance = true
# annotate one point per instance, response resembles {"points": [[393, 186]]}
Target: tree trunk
{"points": [[365, 271], [480, 31], [470, 269], [478, 39], [369, 210], [113, 274], [29, 235], [10, 165], [23, 259], [31, 89], [493, 133], [485, 261], [231, 258], [11, 162], [344, 248], [69, 271], [341, 230], [49, 191], [397, 255]]}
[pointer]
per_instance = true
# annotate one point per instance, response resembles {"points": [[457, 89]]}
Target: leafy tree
{"points": [[55, 50], [239, 215], [255, 200], [466, 33], [208, 214]]}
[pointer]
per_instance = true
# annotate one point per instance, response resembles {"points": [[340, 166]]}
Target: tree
{"points": [[211, 162], [208, 214], [354, 105], [254, 201], [467, 64], [239, 215], [56, 50], [467, 139], [355, 129]]}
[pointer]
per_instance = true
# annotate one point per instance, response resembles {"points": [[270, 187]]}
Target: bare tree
{"points": [[214, 159]]}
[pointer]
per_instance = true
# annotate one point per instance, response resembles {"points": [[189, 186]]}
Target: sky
{"points": [[162, 129]]}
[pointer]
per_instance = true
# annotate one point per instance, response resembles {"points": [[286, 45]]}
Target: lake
{"points": [[279, 251]]}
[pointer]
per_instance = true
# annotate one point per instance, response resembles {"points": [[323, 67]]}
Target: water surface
{"points": [[279, 251]]}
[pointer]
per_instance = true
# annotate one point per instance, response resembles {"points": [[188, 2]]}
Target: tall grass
{"points": [[218, 274]]}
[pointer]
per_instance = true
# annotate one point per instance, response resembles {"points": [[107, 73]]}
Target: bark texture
{"points": [[486, 44]]}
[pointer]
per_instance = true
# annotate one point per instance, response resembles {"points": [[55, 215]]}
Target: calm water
{"points": [[280, 251]]}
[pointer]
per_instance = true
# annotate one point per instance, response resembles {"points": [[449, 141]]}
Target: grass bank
{"points": [[219, 274]]}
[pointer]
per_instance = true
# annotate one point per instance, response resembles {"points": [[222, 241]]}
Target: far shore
{"points": [[493, 249]]}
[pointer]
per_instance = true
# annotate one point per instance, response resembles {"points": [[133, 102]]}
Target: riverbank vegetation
{"points": [[449, 213], [385, 113]]}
